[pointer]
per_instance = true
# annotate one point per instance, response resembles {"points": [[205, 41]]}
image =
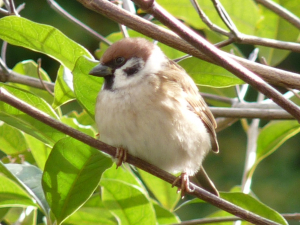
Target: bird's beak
{"points": [[101, 71]]}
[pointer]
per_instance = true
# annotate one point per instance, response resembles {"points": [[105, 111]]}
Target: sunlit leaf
{"points": [[29, 68], [70, 184], [86, 87], [29, 178], [12, 140], [163, 191], [275, 27], [41, 38], [72, 122], [164, 216], [62, 92], [208, 74], [273, 135], [12, 195], [26, 123], [245, 20], [89, 214], [253, 205], [126, 200]]}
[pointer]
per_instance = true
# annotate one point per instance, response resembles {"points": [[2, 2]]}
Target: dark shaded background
{"points": [[276, 181]]}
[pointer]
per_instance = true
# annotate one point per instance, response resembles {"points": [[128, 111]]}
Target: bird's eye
{"points": [[119, 60]]}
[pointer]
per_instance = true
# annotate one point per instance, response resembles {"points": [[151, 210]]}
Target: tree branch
{"points": [[269, 114], [23, 79], [269, 74], [198, 192]]}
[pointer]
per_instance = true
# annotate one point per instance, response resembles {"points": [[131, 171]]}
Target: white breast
{"points": [[162, 132]]}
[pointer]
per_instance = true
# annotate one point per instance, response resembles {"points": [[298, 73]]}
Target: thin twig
{"points": [[39, 62], [12, 9], [122, 27], [3, 52], [226, 18], [268, 114], [282, 12], [4, 72], [208, 220], [269, 74], [291, 216], [252, 135], [225, 43], [182, 58], [71, 18], [201, 44], [294, 92], [218, 98], [207, 21], [4, 12], [198, 192], [21, 7]]}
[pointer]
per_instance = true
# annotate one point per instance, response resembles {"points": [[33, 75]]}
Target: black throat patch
{"points": [[109, 81]]}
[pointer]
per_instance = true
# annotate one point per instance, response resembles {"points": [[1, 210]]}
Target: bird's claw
{"points": [[121, 156], [185, 184]]}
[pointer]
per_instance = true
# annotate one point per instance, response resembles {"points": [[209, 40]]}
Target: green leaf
{"points": [[3, 212], [253, 205], [29, 178], [127, 201], [41, 38], [193, 201], [89, 214], [184, 10], [29, 216], [40, 151], [29, 68], [83, 118], [12, 140], [26, 123], [70, 184], [72, 122], [11, 194], [14, 215], [208, 74], [62, 92], [86, 87], [162, 190], [164, 216], [245, 20], [274, 27], [272, 136]]}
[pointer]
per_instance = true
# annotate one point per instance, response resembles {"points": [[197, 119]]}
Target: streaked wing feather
{"points": [[195, 100]]}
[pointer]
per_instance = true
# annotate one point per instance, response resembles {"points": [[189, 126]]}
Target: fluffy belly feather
{"points": [[170, 137]]}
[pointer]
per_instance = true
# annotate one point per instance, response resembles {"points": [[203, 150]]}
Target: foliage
{"points": [[44, 172]]}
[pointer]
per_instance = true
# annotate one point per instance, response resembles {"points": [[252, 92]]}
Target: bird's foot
{"points": [[121, 156], [185, 184]]}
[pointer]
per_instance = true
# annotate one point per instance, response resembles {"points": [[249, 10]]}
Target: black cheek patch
{"points": [[132, 70]]}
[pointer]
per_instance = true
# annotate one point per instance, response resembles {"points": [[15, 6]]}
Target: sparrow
{"points": [[151, 108]]}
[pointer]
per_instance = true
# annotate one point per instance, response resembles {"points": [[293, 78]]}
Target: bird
{"points": [[151, 108]]}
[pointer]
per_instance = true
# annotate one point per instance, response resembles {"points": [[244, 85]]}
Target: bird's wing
{"points": [[196, 102]]}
